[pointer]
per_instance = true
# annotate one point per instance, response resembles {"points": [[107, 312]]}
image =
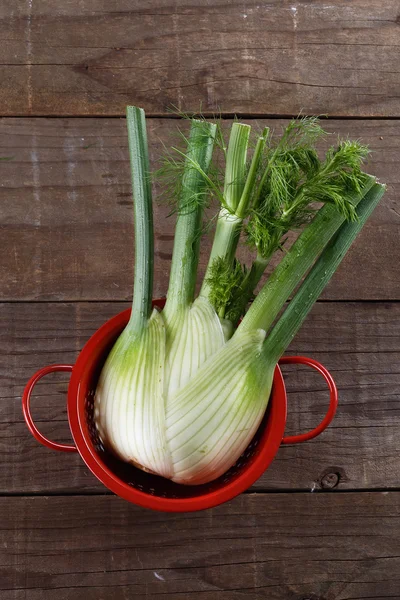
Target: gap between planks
{"points": [[252, 492], [208, 115], [128, 300]]}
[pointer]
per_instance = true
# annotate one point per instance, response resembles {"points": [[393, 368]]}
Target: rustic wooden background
{"points": [[323, 522]]}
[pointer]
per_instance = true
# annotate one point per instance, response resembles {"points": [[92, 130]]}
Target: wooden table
{"points": [[67, 71]]}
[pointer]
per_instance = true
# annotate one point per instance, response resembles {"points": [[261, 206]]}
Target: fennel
{"points": [[129, 399], [184, 390]]}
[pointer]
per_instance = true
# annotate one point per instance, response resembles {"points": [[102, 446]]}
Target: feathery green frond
{"points": [[224, 281], [176, 164], [296, 180], [339, 178], [302, 132]]}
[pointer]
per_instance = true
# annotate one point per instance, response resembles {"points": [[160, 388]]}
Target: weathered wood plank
{"points": [[95, 57], [66, 216], [275, 546], [358, 342]]}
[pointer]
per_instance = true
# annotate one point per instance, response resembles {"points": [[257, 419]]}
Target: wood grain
{"points": [[357, 342], [66, 212], [275, 546], [66, 239], [93, 58]]}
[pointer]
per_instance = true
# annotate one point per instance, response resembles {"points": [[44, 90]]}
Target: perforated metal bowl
{"points": [[145, 489]]}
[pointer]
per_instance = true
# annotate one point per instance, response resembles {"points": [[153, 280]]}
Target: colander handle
{"points": [[333, 402], [26, 408]]}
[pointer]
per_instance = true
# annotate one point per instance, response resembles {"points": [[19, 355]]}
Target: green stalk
{"points": [[236, 160], [143, 219], [185, 256], [252, 176], [319, 276], [230, 220], [295, 265], [226, 239]]}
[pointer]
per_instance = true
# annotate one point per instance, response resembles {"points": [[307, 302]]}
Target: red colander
{"points": [[152, 491]]}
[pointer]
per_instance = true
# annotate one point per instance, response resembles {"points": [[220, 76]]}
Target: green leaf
{"points": [[225, 280]]}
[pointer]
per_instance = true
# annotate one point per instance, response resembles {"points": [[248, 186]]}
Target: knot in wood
{"points": [[330, 480]]}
